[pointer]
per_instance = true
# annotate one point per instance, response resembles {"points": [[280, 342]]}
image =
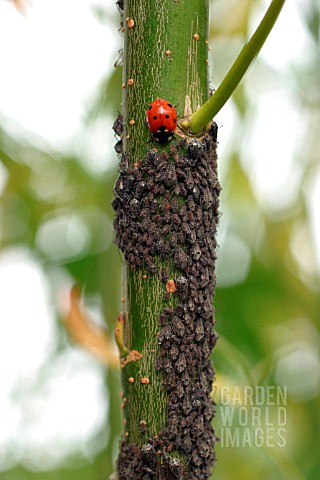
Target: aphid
{"points": [[186, 228], [189, 419], [117, 126], [144, 224], [196, 193], [200, 232], [207, 310], [134, 208], [213, 131], [204, 278], [182, 286], [195, 251], [120, 5], [119, 60], [164, 334], [153, 204], [214, 339], [173, 424], [167, 216], [180, 258], [173, 239], [181, 363], [150, 183], [140, 189], [195, 458], [165, 230], [149, 455], [212, 179], [153, 157], [199, 331], [176, 469], [186, 404], [162, 247], [195, 149], [169, 381], [151, 266], [192, 237], [207, 199], [119, 188], [209, 411], [176, 222], [205, 349], [118, 147], [191, 305], [161, 119], [204, 449], [178, 326], [180, 310], [124, 163], [174, 205], [115, 205], [196, 403], [186, 444], [150, 197], [190, 203], [178, 441], [169, 176], [187, 320], [161, 189], [179, 390], [167, 365], [174, 352]]}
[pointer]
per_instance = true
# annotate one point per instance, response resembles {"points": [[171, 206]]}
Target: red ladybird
{"points": [[161, 119]]}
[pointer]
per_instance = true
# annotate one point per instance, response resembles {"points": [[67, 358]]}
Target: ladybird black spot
{"points": [[167, 208], [175, 120], [150, 106], [167, 116], [154, 117], [169, 105]]}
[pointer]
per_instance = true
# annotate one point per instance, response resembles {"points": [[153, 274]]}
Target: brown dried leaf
{"points": [[85, 333], [21, 5]]}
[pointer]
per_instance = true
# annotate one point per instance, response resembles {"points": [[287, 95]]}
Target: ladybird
{"points": [[161, 118]]}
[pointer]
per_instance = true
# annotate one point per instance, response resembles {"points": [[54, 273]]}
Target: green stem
{"points": [[250, 50], [165, 57]]}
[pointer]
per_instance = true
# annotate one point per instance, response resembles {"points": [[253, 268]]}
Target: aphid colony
{"points": [[168, 206]]}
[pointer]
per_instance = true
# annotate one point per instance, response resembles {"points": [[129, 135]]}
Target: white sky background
{"points": [[49, 75]]}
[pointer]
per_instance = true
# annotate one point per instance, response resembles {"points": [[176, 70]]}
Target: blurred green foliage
{"points": [[268, 320]]}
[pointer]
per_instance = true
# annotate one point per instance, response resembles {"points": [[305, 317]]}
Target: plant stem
{"points": [[250, 50], [159, 28]]}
